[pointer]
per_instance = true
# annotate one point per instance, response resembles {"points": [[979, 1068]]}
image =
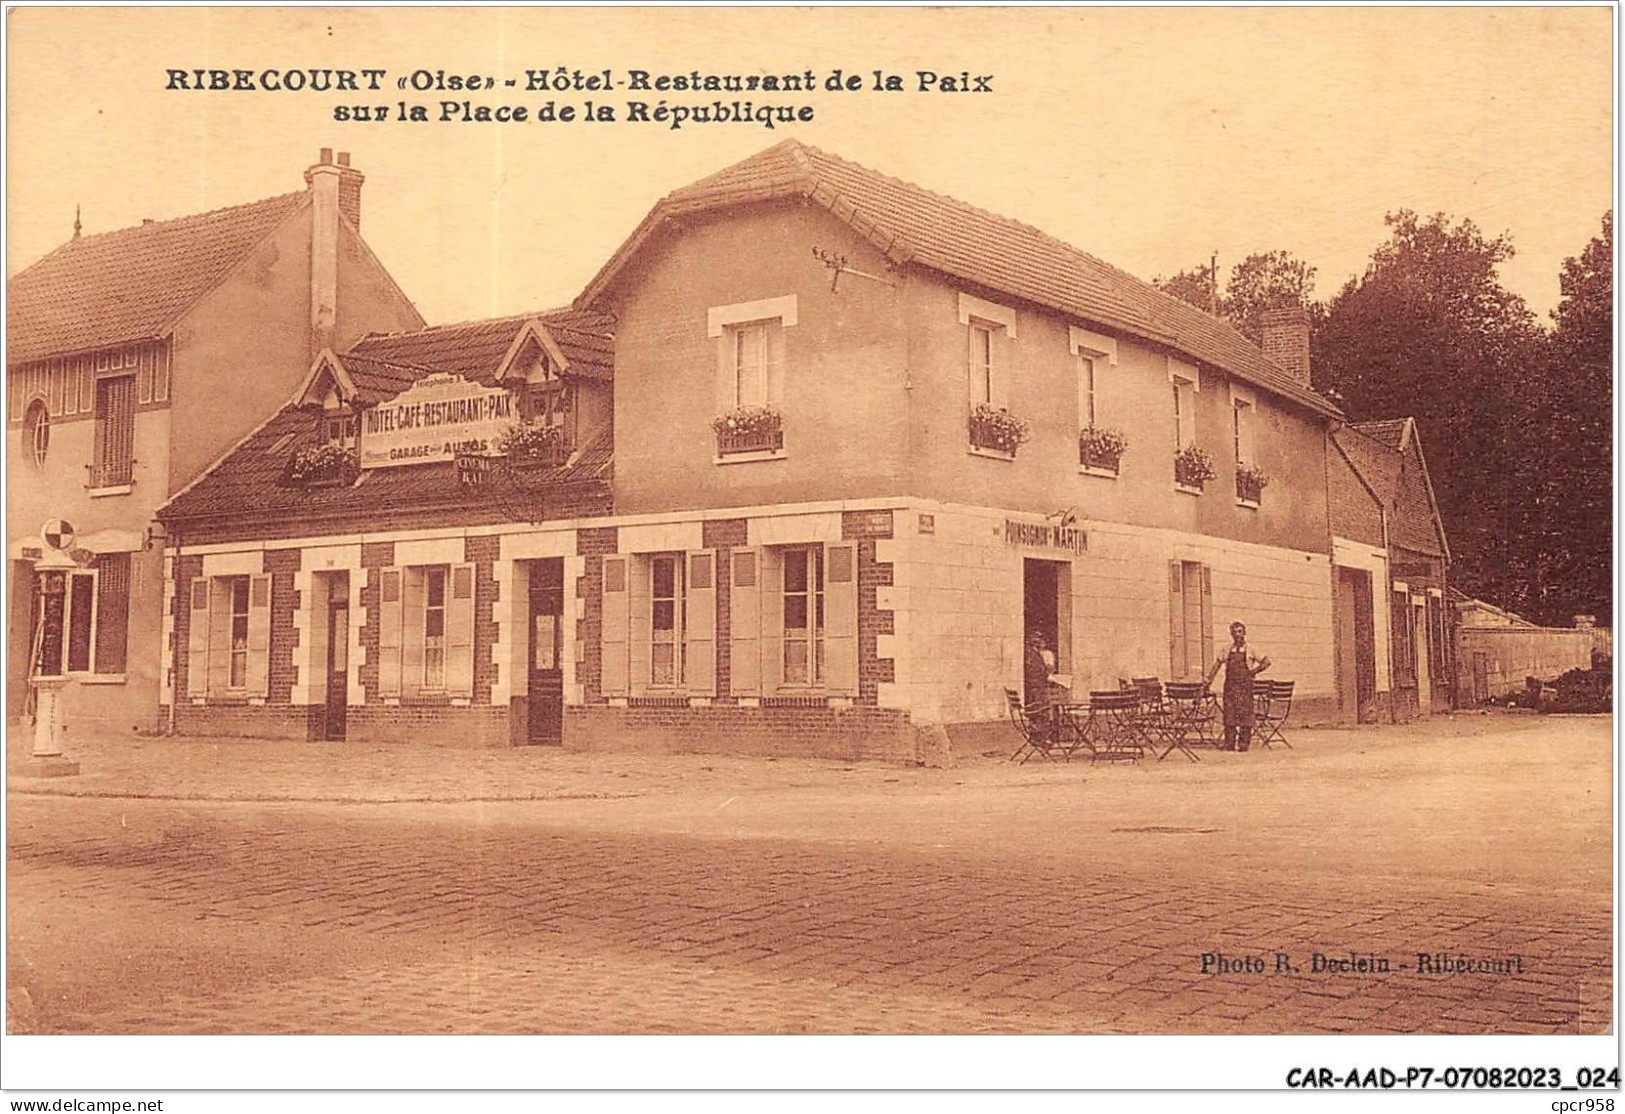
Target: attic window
{"points": [[342, 430]]}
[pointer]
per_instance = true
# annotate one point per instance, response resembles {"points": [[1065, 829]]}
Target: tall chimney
{"points": [[1286, 340], [350, 191], [323, 180]]}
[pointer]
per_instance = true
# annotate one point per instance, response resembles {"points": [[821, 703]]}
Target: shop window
{"points": [[114, 451], [804, 616], [37, 432], [426, 631]]}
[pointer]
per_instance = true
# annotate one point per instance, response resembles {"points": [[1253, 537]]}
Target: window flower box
{"points": [[323, 466], [1101, 448], [1250, 483], [532, 444], [996, 430], [749, 429], [1193, 467]]}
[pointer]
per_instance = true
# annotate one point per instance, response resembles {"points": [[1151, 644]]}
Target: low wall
{"points": [[1493, 661]]}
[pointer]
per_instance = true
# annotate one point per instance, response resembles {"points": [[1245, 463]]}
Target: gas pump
{"points": [[45, 673]]}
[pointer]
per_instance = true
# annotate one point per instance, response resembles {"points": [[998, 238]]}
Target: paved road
{"points": [[652, 916]]}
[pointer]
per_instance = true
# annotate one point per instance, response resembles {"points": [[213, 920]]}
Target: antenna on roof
{"points": [[1213, 291], [76, 222], [836, 262]]}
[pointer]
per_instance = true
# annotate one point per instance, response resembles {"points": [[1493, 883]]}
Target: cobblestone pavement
{"points": [[795, 910]]}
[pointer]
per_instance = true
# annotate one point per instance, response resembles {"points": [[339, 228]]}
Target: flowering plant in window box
{"points": [[749, 429], [534, 443], [1193, 467], [1101, 448], [997, 429], [325, 465], [1250, 483]]}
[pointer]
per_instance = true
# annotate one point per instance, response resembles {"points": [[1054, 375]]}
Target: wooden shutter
{"points": [[1176, 621], [841, 618], [197, 639], [414, 599], [259, 636], [112, 612], [219, 634], [775, 363], [701, 651], [744, 622], [639, 622], [460, 631], [613, 675], [1207, 619], [771, 642], [115, 429], [389, 632]]}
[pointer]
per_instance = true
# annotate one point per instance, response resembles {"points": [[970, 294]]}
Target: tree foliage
{"points": [[1264, 280]]}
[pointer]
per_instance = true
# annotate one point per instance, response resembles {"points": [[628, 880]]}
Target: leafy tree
{"points": [[1266, 280], [1571, 523], [1429, 332], [1195, 285]]}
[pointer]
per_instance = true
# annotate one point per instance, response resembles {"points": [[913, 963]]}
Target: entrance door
{"points": [[338, 665], [1047, 610], [546, 681]]}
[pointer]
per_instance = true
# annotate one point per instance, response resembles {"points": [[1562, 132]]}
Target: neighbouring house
{"points": [[1497, 651], [135, 358], [1394, 655], [838, 445]]}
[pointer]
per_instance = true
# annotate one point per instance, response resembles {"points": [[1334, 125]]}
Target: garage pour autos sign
{"points": [[436, 418]]}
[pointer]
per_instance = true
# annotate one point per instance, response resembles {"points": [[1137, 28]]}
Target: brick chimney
{"points": [[1286, 340], [324, 183]]}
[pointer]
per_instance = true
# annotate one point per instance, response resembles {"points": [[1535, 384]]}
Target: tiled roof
{"points": [[132, 284], [912, 225], [1400, 481], [247, 486], [476, 348], [1390, 431]]}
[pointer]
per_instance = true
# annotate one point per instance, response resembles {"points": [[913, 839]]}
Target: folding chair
{"points": [[1036, 738], [1110, 729], [1272, 714], [1188, 719]]}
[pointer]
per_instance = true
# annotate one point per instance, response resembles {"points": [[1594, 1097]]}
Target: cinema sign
{"points": [[436, 418]]}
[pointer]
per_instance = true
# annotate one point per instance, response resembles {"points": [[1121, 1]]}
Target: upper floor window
{"points": [[343, 430], [37, 432], [981, 364], [114, 451], [750, 372], [1244, 415], [1184, 412]]}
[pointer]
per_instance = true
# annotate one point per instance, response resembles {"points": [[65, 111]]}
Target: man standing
{"points": [[1240, 667]]}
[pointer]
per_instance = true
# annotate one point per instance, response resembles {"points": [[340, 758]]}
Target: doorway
{"points": [[337, 700], [1356, 647], [1046, 610], [545, 683]]}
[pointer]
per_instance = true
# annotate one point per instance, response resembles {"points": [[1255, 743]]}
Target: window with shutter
{"points": [[112, 611], [459, 622], [259, 636], [700, 627], [115, 431], [197, 640], [744, 624], [841, 618], [613, 671], [390, 593]]}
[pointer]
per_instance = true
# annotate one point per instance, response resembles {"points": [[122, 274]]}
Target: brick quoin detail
{"points": [[187, 569], [377, 555], [282, 564], [483, 551], [873, 670], [592, 544], [718, 532], [369, 630]]}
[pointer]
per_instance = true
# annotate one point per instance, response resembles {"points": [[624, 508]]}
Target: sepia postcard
{"points": [[637, 522]]}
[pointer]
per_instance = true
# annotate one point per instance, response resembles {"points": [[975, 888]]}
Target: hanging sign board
{"points": [[436, 418]]}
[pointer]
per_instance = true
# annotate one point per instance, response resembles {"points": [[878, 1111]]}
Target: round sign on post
{"points": [[57, 533]]}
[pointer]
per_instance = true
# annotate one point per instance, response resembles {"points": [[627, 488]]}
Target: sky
{"points": [[1150, 137]]}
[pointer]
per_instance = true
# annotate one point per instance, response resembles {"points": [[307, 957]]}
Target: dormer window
{"points": [[343, 431]]}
